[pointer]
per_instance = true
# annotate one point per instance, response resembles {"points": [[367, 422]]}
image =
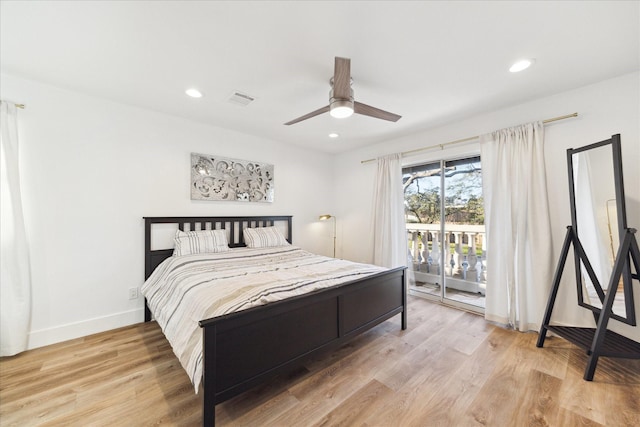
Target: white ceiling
{"points": [[431, 62]]}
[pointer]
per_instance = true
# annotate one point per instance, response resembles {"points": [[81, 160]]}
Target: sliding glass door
{"points": [[445, 228]]}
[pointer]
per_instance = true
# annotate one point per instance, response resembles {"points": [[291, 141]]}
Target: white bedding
{"points": [[185, 289]]}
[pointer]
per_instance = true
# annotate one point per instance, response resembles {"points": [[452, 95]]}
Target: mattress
{"points": [[186, 289]]}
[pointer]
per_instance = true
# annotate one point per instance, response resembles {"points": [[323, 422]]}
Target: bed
{"points": [[241, 349]]}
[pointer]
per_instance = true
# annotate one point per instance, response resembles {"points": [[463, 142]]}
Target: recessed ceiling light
{"points": [[333, 135], [521, 65], [194, 93]]}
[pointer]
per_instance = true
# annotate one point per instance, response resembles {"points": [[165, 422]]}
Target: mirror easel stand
{"points": [[598, 342]]}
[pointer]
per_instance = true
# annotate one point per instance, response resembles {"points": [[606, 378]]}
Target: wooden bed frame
{"points": [[244, 349]]}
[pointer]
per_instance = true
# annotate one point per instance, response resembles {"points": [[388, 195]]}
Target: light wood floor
{"points": [[450, 368]]}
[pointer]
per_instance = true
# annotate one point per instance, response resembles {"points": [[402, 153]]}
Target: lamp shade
{"points": [[325, 217]]}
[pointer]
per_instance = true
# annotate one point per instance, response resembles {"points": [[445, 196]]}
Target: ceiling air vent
{"points": [[240, 98]]}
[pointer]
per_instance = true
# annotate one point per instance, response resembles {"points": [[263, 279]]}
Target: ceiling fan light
{"points": [[341, 109], [341, 112]]}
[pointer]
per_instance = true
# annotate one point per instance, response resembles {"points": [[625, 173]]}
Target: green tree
{"points": [[425, 206], [463, 195]]}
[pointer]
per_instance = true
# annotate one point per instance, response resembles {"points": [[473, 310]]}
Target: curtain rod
{"points": [[471, 138]]}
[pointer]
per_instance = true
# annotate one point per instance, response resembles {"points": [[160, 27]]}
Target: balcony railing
{"points": [[465, 257]]}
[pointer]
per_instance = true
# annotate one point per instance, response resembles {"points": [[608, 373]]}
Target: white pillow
{"points": [[200, 242], [264, 237]]}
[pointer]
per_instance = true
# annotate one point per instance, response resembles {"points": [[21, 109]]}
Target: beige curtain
{"points": [[519, 252], [15, 281], [389, 229]]}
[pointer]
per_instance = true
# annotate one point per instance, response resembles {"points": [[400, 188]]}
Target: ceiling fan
{"points": [[341, 103]]}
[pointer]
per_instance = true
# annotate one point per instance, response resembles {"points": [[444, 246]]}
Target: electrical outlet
{"points": [[133, 293]]}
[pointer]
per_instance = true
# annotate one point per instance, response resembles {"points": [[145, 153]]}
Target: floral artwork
{"points": [[221, 178]]}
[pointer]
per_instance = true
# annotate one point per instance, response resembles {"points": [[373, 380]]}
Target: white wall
{"points": [[606, 108], [92, 168]]}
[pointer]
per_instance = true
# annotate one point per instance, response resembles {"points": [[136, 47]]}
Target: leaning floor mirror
{"points": [[599, 221], [606, 254]]}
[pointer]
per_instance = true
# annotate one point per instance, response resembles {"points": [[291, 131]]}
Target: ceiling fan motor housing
{"points": [[341, 102]]}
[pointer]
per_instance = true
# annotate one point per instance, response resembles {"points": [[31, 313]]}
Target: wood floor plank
{"points": [[616, 384], [325, 390], [449, 368], [354, 410], [263, 402], [265, 414], [451, 398], [418, 375], [627, 398], [571, 419], [497, 402], [539, 408]]}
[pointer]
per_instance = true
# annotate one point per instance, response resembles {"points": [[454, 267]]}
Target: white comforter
{"points": [[183, 290]]}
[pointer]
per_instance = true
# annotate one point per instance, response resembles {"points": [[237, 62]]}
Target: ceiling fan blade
{"points": [[308, 116], [367, 110], [342, 78]]}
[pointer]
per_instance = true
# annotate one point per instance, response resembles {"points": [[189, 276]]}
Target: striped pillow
{"points": [[264, 237], [200, 242]]}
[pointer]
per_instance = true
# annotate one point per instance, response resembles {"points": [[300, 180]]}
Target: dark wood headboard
{"points": [[235, 225]]}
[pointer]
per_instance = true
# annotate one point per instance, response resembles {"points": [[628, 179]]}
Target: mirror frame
{"points": [[580, 257]]}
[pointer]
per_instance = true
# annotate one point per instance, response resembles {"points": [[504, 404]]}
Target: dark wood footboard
{"points": [[244, 349]]}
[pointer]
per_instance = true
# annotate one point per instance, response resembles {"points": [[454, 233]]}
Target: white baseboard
{"points": [[71, 331]]}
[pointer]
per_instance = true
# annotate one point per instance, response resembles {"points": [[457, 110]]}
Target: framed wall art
{"points": [[222, 178]]}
